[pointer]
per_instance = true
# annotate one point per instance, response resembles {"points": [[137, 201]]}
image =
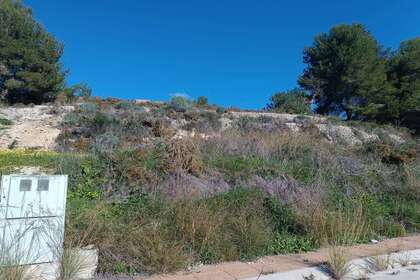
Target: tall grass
{"points": [[338, 262], [339, 227], [379, 262]]}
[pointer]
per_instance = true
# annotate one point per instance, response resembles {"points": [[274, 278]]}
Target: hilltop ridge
{"points": [[39, 126]]}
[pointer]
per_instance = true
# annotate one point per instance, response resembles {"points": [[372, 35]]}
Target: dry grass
{"points": [[337, 227], [379, 263], [403, 259], [181, 154], [143, 247], [194, 228], [71, 264], [338, 262], [13, 273], [266, 145]]}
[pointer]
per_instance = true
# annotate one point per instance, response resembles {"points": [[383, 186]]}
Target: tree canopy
{"points": [[294, 101], [30, 68], [344, 68], [404, 75]]}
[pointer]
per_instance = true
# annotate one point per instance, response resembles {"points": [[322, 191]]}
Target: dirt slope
{"points": [[32, 127]]}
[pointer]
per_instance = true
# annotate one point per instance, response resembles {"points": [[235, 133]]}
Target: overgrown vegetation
{"points": [[153, 202]]}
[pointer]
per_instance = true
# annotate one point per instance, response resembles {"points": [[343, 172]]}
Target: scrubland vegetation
{"points": [[152, 202]]}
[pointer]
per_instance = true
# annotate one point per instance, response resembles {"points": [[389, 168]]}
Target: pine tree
{"points": [[30, 68], [345, 68]]}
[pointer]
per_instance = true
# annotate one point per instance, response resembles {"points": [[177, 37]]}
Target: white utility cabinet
{"points": [[32, 217]]}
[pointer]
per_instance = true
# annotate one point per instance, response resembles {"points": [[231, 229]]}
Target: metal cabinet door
{"points": [[32, 241], [34, 196], [32, 216]]}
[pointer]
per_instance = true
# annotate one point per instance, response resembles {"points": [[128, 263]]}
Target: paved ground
{"points": [[359, 269], [283, 263], [407, 275]]}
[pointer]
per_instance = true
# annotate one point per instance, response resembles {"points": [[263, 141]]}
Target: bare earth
{"points": [[282, 263], [33, 127]]}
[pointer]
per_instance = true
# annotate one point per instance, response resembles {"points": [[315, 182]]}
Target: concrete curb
{"points": [[359, 269], [285, 263]]}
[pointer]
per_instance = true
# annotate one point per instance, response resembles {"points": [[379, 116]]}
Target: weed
{"points": [[287, 243], [403, 259], [338, 227], [13, 273], [181, 154], [71, 264], [338, 262], [379, 263]]}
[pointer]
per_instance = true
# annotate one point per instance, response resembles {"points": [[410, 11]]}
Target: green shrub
{"points": [[180, 104], [220, 110], [202, 101], [289, 244], [293, 102], [101, 120], [283, 217]]}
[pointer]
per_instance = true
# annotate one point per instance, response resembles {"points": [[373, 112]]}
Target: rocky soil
{"points": [[31, 127], [335, 132], [38, 127]]}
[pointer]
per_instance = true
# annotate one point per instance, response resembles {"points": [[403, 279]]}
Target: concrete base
{"points": [[85, 263]]}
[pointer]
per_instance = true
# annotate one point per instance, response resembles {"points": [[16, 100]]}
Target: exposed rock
{"points": [[293, 126], [32, 127], [226, 123], [396, 138], [339, 133], [336, 133]]}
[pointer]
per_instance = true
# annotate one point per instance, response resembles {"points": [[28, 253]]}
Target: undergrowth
{"points": [[245, 194]]}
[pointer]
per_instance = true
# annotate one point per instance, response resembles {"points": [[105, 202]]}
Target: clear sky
{"points": [[236, 52]]}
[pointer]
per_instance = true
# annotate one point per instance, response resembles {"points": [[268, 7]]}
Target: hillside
{"points": [[159, 187], [38, 126]]}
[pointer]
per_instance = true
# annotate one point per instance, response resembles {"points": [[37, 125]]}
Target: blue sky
{"points": [[236, 52]]}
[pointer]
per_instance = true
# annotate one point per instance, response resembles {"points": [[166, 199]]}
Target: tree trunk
{"points": [[349, 114]]}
